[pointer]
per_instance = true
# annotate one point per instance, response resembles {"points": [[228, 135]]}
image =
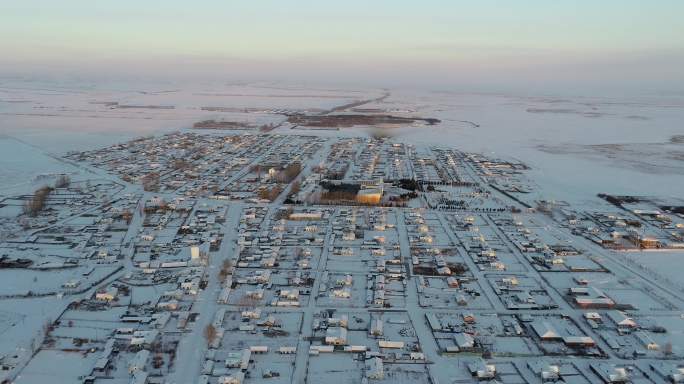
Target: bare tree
{"points": [[62, 181], [35, 204], [295, 188], [270, 193], [127, 216], [150, 182], [180, 164], [225, 270], [247, 302], [289, 173], [210, 333]]}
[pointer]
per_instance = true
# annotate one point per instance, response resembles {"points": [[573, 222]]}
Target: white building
{"points": [[336, 336], [139, 361], [375, 369]]}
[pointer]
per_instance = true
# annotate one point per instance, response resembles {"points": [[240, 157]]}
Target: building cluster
{"points": [[282, 258]]}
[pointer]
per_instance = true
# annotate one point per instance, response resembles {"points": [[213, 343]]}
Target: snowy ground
{"points": [[664, 264], [576, 147]]}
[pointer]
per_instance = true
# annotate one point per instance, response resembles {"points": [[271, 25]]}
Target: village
{"points": [[231, 258]]}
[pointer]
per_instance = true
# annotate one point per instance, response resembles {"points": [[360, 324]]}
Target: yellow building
{"points": [[369, 195]]}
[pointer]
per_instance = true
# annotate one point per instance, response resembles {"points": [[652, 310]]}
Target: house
{"points": [[481, 370], [379, 297], [258, 349], [588, 297], [160, 319], [648, 242], [170, 305], [251, 313], [110, 294], [370, 194], [341, 321], [510, 281], [139, 361], [224, 296], [469, 318], [144, 338], [72, 284], [621, 320], [349, 236], [207, 367], [289, 294], [262, 276], [579, 341], [139, 377], [287, 350], [647, 341], [375, 369], [268, 262], [433, 321], [376, 327], [236, 378], [355, 348], [380, 282], [594, 303], [390, 344], [610, 373], [545, 330], [315, 215], [316, 349], [344, 293], [336, 336], [417, 356], [257, 294], [238, 359], [671, 371], [464, 341], [426, 239], [548, 372]]}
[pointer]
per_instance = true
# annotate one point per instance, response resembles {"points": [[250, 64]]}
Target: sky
{"points": [[526, 44]]}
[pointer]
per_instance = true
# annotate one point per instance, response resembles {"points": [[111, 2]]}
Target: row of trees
{"points": [[285, 175], [225, 271], [289, 173], [270, 193], [62, 181], [34, 205], [150, 182], [181, 164]]}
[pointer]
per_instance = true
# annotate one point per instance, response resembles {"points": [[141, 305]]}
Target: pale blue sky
{"points": [[410, 42]]}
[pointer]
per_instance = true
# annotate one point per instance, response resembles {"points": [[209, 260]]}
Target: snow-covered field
{"points": [[22, 164], [665, 264], [577, 146]]}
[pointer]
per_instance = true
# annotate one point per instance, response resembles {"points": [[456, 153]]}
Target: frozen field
{"points": [[22, 164], [577, 146], [253, 233], [665, 264]]}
